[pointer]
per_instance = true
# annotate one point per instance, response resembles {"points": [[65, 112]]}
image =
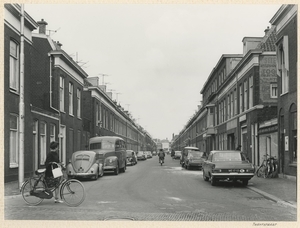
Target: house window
{"points": [[52, 132], [231, 106], [235, 101], [13, 141], [250, 91], [228, 107], [78, 103], [293, 132], [245, 95], [71, 105], [78, 139], [241, 98], [283, 64], [14, 66], [273, 90], [61, 94], [43, 143]]}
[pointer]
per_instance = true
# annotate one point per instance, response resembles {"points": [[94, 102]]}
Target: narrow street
{"points": [[150, 192]]}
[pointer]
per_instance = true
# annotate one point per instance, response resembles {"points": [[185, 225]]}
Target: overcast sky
{"points": [[157, 56]]}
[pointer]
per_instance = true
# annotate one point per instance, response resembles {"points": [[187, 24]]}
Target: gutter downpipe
{"points": [[21, 102], [59, 133]]}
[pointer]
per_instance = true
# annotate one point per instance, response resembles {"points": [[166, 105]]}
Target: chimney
{"points": [[58, 45], [267, 30], [42, 26]]}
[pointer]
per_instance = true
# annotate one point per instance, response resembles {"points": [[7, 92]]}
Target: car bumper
{"points": [[233, 176], [109, 168], [82, 175], [194, 164]]}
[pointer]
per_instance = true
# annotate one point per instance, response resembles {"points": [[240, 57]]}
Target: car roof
{"points": [[191, 147], [99, 138], [223, 151]]}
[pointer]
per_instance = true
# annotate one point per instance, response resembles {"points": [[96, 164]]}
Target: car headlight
{"points": [[92, 170]]}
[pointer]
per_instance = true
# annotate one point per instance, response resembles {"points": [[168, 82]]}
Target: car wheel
{"points": [[245, 182], [117, 170], [213, 181], [205, 177]]}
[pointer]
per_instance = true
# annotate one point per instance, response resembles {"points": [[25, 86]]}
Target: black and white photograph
{"points": [[149, 114]]}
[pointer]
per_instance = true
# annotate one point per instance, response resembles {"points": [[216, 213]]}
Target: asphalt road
{"points": [[150, 192]]}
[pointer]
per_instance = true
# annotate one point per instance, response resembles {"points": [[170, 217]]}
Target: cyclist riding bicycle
{"points": [[161, 155]]}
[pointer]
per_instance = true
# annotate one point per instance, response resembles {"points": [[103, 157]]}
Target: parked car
{"points": [[112, 151], [177, 154], [131, 159], [192, 157], [141, 155], [154, 153], [149, 154], [85, 164], [227, 165], [146, 154]]}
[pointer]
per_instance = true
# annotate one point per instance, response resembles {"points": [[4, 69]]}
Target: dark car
{"points": [[229, 165], [177, 154], [192, 157]]}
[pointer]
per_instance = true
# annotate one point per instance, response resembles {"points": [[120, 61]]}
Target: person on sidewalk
{"points": [[52, 157]]}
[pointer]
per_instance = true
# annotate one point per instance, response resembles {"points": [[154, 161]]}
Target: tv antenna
{"points": [[53, 31]]}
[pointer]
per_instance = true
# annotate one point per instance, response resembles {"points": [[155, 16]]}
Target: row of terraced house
{"points": [[250, 99], [60, 102]]}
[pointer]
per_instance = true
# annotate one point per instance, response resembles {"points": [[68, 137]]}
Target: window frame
{"points": [[61, 94], [71, 100], [14, 66], [14, 142], [273, 86]]}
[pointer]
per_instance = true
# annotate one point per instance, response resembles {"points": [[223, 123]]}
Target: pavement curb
{"points": [[271, 197]]}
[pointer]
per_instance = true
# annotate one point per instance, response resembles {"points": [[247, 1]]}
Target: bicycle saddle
{"points": [[40, 171]]}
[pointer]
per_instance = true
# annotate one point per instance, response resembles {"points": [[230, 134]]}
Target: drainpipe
{"points": [[21, 103], [51, 106]]}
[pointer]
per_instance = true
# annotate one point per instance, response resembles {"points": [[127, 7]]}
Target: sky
{"points": [[156, 57]]}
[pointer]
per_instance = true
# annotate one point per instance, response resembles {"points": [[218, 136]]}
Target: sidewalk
{"points": [[281, 190]]}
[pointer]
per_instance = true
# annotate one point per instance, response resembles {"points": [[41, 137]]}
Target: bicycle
{"points": [[263, 168], [268, 167], [161, 161], [37, 188]]}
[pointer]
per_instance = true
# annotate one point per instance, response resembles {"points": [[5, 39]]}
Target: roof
{"points": [[269, 40]]}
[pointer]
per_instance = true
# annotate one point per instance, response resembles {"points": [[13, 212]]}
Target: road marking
{"points": [[175, 198], [106, 202]]}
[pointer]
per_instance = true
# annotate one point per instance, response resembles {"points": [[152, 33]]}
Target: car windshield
{"points": [[195, 154], [140, 153], [104, 144], [178, 152], [227, 156]]}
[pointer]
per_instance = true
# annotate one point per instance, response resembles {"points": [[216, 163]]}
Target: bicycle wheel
{"points": [[27, 188], [72, 192], [258, 172]]}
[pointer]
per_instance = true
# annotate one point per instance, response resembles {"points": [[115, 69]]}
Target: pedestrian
{"points": [[53, 157]]}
